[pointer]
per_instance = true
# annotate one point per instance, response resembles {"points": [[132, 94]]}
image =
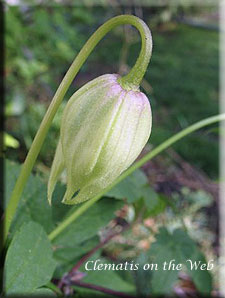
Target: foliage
{"points": [[29, 247], [41, 42], [34, 211], [106, 277], [34, 218], [179, 247], [181, 57], [135, 189]]}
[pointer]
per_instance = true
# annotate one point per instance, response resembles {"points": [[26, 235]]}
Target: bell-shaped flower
{"points": [[104, 128]]}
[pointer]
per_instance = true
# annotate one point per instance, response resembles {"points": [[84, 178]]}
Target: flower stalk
{"points": [[132, 79], [163, 146]]}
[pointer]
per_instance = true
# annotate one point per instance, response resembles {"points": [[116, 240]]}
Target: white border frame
{"points": [[222, 152], [221, 7]]}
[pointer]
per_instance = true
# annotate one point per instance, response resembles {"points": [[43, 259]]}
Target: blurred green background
{"points": [[181, 81]]}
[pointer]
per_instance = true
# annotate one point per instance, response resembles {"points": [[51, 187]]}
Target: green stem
{"points": [[54, 288], [133, 79], [140, 66], [135, 166]]}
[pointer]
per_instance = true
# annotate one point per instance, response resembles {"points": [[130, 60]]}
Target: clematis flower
{"points": [[104, 128]]}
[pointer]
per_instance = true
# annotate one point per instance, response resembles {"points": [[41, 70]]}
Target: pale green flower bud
{"points": [[104, 128]]}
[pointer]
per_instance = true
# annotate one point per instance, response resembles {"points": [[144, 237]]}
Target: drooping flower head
{"points": [[104, 128]]}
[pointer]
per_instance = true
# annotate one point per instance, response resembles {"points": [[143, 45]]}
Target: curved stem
{"points": [[59, 95], [133, 79], [135, 166]]}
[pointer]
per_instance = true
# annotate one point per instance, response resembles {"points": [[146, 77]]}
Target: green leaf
{"points": [[143, 277], [163, 250], [130, 188], [135, 189], [179, 247], [87, 226], [66, 257], [81, 236], [39, 293], [106, 278], [157, 207], [78, 238], [152, 203], [65, 254], [29, 261], [189, 250], [33, 205]]}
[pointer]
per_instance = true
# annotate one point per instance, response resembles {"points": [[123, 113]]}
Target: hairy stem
{"points": [[64, 224], [135, 77]]}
